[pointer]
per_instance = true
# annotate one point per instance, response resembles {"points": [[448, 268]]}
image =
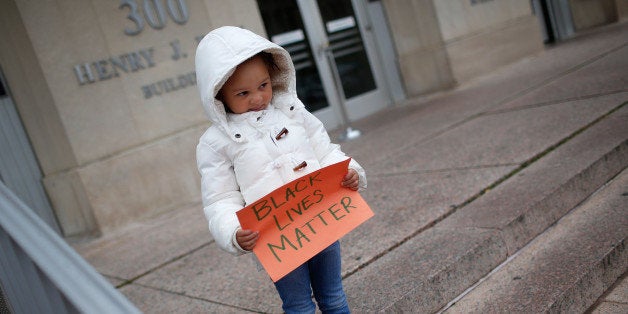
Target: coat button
{"points": [[300, 166], [238, 135], [291, 108], [281, 133]]}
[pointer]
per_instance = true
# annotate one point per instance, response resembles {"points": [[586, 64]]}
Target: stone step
{"points": [[427, 271], [614, 300], [566, 268]]}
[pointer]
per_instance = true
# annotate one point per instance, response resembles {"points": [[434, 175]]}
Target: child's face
{"points": [[249, 88]]}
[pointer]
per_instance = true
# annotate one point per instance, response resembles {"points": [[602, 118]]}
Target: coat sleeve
{"points": [[327, 152], [221, 197]]}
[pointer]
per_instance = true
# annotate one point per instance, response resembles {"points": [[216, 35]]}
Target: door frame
{"points": [[359, 106], [19, 169]]}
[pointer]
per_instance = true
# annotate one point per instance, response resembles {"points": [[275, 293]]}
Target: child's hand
{"points": [[351, 180], [247, 239]]}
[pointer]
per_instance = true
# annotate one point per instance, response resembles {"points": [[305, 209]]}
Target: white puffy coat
{"points": [[238, 157]]}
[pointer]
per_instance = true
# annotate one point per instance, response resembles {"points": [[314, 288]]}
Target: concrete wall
{"points": [[111, 152], [443, 43], [483, 35], [591, 13], [622, 9]]}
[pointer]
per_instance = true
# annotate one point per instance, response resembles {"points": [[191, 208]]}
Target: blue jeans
{"points": [[320, 274]]}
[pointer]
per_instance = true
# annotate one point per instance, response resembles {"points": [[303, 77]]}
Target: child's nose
{"points": [[258, 98]]}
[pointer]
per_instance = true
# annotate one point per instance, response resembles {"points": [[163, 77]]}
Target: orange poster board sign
{"points": [[301, 218]]}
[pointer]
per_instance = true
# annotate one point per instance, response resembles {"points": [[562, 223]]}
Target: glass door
{"points": [[284, 27], [336, 62]]}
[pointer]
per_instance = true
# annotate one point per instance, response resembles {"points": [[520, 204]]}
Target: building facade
{"points": [[100, 113]]}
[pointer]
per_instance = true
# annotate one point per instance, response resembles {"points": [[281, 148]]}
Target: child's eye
{"points": [[264, 85], [242, 93]]}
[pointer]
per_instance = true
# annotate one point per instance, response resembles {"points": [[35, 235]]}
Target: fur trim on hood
{"points": [[218, 55]]}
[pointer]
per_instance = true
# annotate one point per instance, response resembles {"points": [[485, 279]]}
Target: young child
{"points": [[261, 138]]}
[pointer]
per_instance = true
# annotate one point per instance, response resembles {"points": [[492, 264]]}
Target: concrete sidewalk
{"points": [[459, 183]]}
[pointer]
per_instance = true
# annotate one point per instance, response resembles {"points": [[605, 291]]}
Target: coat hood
{"points": [[218, 55]]}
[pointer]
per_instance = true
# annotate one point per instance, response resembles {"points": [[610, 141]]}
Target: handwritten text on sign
{"points": [[303, 217]]}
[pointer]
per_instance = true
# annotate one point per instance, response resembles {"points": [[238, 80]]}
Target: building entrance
{"points": [[334, 53]]}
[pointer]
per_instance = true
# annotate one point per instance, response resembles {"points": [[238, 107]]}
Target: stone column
{"points": [[422, 56]]}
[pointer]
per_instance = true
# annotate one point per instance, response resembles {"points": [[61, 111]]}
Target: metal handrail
{"points": [[41, 273]]}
